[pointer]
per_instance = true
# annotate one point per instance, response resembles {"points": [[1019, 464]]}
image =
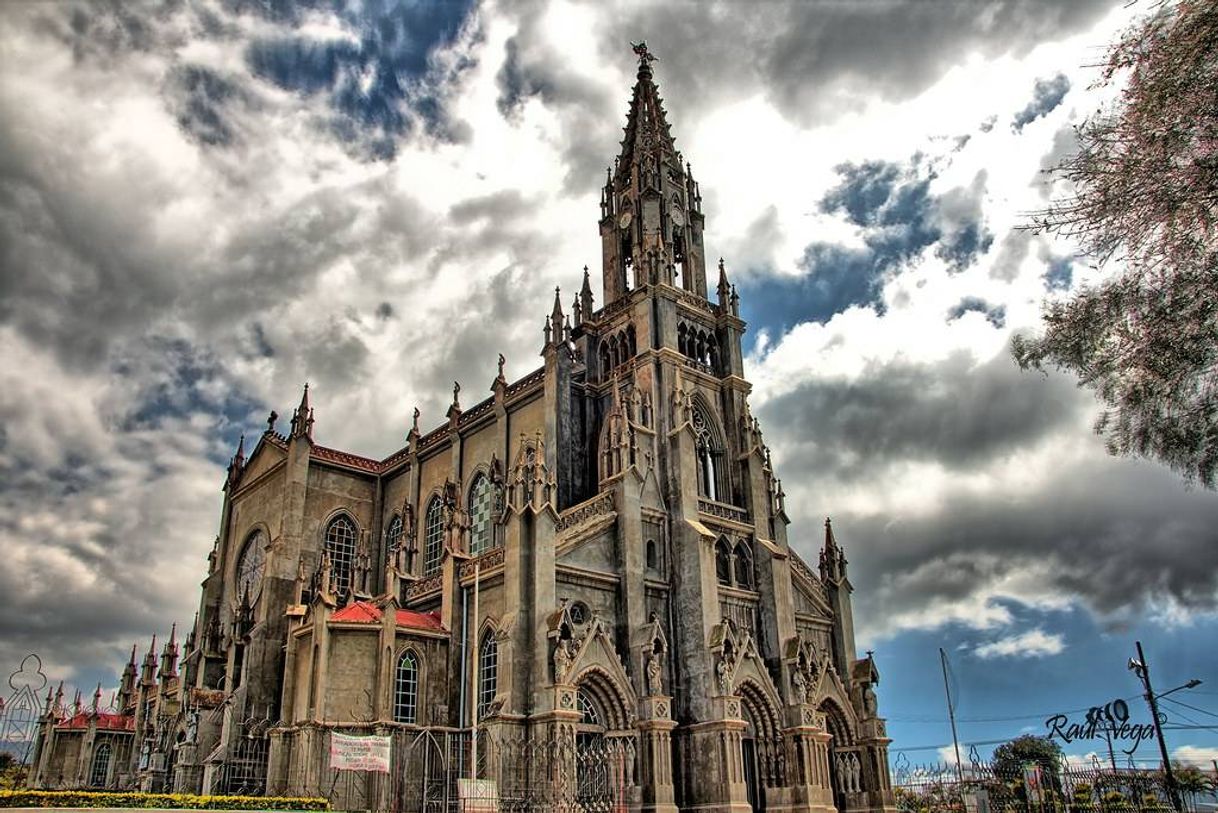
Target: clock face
{"points": [[624, 221], [250, 567], [677, 215]]}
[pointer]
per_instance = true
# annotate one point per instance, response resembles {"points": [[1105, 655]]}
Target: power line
{"points": [[1187, 706]]}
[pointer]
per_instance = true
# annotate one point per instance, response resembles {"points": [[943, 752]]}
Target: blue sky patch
{"points": [[377, 85]]}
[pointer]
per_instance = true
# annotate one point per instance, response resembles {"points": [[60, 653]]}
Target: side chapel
{"points": [[600, 547]]}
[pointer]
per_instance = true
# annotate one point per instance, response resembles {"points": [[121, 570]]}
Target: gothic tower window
{"points": [[481, 527], [251, 565], [744, 565], [433, 537], [652, 559], [488, 673], [340, 545], [406, 689], [709, 456], [101, 766], [723, 561]]}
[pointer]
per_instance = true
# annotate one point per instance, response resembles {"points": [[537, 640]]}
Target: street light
{"points": [[1141, 668]]}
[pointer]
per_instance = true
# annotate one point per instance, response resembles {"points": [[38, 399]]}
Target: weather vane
{"points": [[640, 50]]}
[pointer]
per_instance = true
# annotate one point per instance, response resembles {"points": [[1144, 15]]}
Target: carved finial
{"points": [[640, 50], [270, 421]]}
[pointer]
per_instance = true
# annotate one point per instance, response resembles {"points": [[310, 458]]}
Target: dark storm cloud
{"points": [[591, 116], [1047, 94], [996, 315], [956, 412], [806, 56], [1119, 534]]}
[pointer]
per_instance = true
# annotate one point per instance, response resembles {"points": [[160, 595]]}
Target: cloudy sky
{"points": [[204, 204]]}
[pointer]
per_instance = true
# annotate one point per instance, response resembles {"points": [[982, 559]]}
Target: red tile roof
{"points": [[362, 612], [106, 721]]}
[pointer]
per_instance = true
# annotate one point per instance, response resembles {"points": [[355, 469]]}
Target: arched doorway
{"points": [[761, 745], [841, 752], [604, 744]]}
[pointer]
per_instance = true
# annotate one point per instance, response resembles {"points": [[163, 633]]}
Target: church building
{"points": [[583, 584]]}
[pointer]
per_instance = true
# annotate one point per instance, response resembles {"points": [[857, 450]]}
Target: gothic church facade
{"points": [[599, 549]]}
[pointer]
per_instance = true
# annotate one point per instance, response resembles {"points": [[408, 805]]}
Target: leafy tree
{"points": [[1009, 758], [1144, 198]]}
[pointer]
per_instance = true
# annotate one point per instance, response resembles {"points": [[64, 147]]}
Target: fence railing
{"points": [[982, 787]]}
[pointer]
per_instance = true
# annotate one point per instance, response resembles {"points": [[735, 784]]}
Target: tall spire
{"points": [[651, 221], [302, 419]]}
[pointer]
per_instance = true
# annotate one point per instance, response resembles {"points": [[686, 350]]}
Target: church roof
{"points": [[106, 721], [364, 612]]}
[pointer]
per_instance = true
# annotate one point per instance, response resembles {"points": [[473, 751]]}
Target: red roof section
{"points": [[362, 612], [106, 721]]}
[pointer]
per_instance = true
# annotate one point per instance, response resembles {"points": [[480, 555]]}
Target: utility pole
{"points": [[1142, 669], [951, 714]]}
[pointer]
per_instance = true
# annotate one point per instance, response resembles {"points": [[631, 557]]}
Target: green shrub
{"points": [[188, 801]]}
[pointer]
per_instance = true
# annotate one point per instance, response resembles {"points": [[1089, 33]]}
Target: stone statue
{"points": [[855, 771], [800, 684], [562, 659], [655, 682], [502, 361], [870, 705], [723, 673]]}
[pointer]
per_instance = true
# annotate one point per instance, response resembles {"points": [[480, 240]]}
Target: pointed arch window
{"points": [[482, 526], [100, 769], [743, 558], [406, 689], [250, 566], [709, 455], [488, 673], [393, 537], [340, 545], [723, 562], [433, 537]]}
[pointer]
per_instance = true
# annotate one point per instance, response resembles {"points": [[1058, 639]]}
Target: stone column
{"points": [[808, 777], [655, 754]]}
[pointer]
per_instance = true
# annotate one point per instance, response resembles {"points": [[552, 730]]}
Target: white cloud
{"points": [[1194, 755], [1032, 644]]}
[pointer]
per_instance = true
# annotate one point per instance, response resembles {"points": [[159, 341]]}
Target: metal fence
{"points": [[430, 772], [982, 787]]}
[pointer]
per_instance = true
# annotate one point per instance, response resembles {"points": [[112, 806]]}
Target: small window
{"points": [[488, 673], [340, 544], [433, 537], [406, 689], [652, 561]]}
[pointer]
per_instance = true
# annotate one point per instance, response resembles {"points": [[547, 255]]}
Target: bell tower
{"points": [[651, 211]]}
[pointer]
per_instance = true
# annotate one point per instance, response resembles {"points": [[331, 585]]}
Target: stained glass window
{"points": [[481, 529], [433, 537]]}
